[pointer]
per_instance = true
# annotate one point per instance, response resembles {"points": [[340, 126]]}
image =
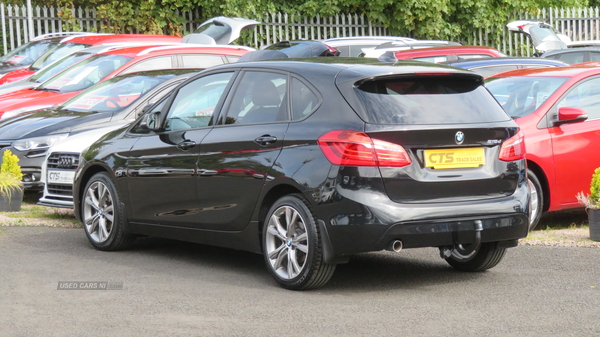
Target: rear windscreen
{"points": [[429, 99]]}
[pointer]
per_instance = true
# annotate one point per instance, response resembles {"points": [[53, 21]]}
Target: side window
{"points": [[161, 62], [260, 97], [304, 100], [344, 51], [594, 56], [472, 56], [194, 103], [433, 59], [201, 61], [357, 50], [571, 58], [232, 59], [585, 96]]}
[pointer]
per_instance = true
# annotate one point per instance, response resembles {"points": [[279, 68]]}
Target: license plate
{"points": [[454, 158], [61, 177]]}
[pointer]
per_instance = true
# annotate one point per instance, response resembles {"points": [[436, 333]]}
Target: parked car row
{"points": [[308, 160]]}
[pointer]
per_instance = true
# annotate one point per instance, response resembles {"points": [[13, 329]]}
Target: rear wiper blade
{"points": [[47, 89]]}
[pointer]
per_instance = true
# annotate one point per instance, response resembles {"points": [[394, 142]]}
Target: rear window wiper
{"points": [[47, 89]]}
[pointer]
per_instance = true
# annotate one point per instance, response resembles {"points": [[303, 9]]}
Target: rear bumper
{"points": [[376, 222], [433, 233]]}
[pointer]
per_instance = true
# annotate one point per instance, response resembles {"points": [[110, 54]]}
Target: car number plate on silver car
{"points": [[61, 177]]}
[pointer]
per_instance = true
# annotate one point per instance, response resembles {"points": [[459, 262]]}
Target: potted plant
{"points": [[11, 187], [592, 205]]}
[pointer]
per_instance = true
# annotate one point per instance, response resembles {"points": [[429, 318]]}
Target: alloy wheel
{"points": [[98, 212], [287, 242]]}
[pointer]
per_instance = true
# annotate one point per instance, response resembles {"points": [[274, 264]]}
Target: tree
{"points": [[425, 19]]}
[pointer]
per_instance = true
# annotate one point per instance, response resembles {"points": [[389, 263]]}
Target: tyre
{"points": [[536, 204], [485, 257], [102, 216], [292, 245]]}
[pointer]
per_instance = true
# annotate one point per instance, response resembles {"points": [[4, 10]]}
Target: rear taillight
{"points": [[513, 148], [332, 51], [353, 148]]}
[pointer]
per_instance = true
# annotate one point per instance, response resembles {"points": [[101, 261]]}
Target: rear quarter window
{"points": [[430, 99]]}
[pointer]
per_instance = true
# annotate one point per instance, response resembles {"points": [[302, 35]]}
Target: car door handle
{"points": [[186, 145], [265, 140]]}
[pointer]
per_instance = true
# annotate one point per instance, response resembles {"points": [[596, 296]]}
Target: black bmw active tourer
{"points": [[311, 162]]}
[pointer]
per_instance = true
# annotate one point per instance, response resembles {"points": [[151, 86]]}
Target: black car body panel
{"points": [[215, 183]]}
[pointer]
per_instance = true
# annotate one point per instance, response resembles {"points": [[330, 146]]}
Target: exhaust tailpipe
{"points": [[395, 246]]}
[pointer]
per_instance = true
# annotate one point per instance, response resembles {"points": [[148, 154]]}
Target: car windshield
{"points": [[85, 73], [56, 53], [428, 100], [521, 96], [27, 53], [114, 94], [58, 66]]}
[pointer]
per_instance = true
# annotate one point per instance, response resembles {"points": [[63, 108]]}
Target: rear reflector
{"points": [[353, 148], [513, 148]]}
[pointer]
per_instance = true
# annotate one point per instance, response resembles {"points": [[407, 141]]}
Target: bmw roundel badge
{"points": [[459, 137]]}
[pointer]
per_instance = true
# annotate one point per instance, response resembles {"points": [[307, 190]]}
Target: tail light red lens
{"points": [[513, 148], [332, 50], [353, 148]]}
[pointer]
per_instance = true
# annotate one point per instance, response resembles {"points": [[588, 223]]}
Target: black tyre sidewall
{"points": [[295, 202], [540, 194], [487, 256], [117, 237]]}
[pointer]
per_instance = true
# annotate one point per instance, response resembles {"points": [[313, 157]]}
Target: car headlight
{"points": [[37, 146], [13, 113]]}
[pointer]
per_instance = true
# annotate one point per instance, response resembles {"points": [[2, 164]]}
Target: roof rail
{"points": [[57, 34], [193, 45]]}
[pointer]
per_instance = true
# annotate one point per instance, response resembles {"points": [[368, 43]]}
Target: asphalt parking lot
{"points": [[170, 288]]}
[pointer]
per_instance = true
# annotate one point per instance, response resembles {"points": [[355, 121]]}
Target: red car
{"points": [[444, 54], [558, 110], [73, 43], [111, 63]]}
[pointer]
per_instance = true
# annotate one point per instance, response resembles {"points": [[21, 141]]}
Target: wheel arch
{"points": [[85, 177], [272, 195], [543, 178], [287, 188]]}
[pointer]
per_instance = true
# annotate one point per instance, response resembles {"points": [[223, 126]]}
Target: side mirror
{"points": [[570, 115], [150, 121], [145, 110]]}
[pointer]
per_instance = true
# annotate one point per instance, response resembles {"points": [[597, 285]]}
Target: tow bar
{"points": [[461, 253]]}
